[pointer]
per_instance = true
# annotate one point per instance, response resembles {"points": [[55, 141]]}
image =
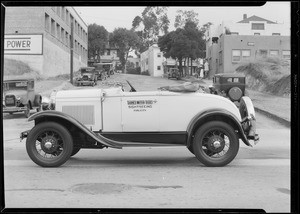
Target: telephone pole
{"points": [[71, 54]]}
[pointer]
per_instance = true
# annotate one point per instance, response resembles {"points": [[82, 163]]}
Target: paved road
{"points": [[259, 177]]}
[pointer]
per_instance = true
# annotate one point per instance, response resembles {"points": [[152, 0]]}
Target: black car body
{"points": [[231, 85], [19, 96], [173, 73], [88, 76]]}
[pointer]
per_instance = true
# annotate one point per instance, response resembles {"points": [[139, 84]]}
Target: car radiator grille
{"points": [[84, 114], [10, 100]]}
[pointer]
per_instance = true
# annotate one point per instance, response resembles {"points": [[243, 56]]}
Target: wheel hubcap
{"points": [[216, 144], [48, 145]]}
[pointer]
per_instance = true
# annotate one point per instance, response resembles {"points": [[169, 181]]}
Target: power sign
{"points": [[23, 44]]}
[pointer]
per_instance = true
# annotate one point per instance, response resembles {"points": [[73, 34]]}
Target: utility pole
{"points": [[71, 53]]}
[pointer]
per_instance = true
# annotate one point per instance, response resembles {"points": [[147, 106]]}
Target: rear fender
{"points": [[215, 114], [57, 115]]}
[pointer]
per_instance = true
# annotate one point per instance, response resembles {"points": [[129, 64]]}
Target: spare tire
{"points": [[235, 94]]}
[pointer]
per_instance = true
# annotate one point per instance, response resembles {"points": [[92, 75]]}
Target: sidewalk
{"points": [[277, 107]]}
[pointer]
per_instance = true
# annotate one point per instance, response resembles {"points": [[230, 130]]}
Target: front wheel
{"points": [[215, 144], [49, 144]]}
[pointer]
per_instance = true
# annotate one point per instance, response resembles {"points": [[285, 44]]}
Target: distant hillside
{"points": [[271, 75]]}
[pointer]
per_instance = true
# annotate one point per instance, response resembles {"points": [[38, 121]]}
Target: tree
{"points": [[197, 41], [184, 16], [176, 45], [183, 43], [126, 41], [97, 40], [155, 21]]}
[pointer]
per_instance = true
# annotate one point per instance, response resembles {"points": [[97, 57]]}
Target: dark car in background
{"points": [[173, 73], [88, 76], [231, 85], [19, 96]]}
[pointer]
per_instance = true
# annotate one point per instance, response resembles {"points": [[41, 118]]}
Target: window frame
{"points": [[232, 55], [257, 24]]}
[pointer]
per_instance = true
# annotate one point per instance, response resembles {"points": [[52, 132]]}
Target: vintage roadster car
{"points": [[231, 85], [88, 76], [19, 96], [210, 126]]}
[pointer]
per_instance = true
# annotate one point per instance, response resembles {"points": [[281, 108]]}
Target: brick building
{"points": [[41, 37]]}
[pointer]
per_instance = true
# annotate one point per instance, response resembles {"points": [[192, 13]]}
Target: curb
{"points": [[284, 122]]}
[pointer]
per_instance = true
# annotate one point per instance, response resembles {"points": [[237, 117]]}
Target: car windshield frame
{"points": [[15, 85]]}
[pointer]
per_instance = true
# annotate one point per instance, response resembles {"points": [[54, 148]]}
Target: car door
{"points": [[140, 112]]}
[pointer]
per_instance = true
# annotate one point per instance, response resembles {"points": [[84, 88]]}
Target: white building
{"points": [[152, 61]]}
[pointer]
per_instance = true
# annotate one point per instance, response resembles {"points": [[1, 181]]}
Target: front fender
{"points": [[215, 114], [52, 115]]}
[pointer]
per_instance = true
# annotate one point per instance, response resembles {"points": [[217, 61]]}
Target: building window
{"points": [[58, 35], [67, 39], [158, 68], [256, 34], [71, 20], [158, 55], [67, 17], [136, 64], [147, 61], [47, 22], [220, 58], [286, 54], [275, 34], [63, 35], [258, 26], [236, 55], [263, 53], [246, 54], [274, 52], [52, 27], [108, 52]]}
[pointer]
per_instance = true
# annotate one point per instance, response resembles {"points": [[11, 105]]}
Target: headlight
{"points": [[52, 99]]}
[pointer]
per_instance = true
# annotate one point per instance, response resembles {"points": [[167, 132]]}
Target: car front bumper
{"points": [[87, 82], [13, 109]]}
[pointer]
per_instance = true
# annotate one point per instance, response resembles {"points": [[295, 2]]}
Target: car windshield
{"points": [[22, 85]]}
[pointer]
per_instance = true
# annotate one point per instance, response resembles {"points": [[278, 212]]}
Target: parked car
{"points": [[88, 76], [104, 70], [231, 85], [173, 73], [102, 118], [19, 96]]}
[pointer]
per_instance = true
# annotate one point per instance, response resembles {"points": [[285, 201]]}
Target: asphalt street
{"points": [[169, 177]]}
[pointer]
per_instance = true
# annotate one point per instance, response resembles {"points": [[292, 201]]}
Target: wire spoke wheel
{"points": [[49, 144], [215, 144]]}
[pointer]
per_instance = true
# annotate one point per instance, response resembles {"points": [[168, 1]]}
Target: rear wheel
{"points": [[49, 144], [215, 144]]}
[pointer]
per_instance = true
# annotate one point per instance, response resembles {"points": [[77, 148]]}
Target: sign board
{"points": [[23, 44]]}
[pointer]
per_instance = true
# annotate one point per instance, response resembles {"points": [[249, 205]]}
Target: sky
{"points": [[114, 17]]}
